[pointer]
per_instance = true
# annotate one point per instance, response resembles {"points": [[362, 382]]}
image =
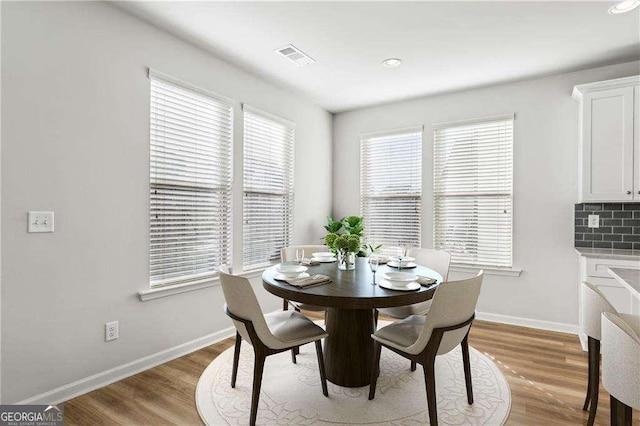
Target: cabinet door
{"points": [[636, 144], [608, 145]]}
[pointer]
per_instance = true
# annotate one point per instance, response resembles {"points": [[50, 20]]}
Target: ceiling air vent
{"points": [[295, 55]]}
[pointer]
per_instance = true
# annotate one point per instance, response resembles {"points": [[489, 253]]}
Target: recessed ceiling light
{"points": [[391, 62], [624, 6]]}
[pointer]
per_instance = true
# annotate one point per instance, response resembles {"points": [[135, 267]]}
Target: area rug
{"points": [[292, 394]]}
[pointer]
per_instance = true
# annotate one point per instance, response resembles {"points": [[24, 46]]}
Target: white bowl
{"points": [[405, 260], [323, 254], [399, 278], [291, 269]]}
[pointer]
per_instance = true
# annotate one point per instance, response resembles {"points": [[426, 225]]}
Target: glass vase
{"points": [[346, 260]]}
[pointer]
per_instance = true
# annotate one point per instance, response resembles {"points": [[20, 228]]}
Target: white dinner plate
{"points": [[404, 265], [283, 277], [324, 259], [409, 287]]}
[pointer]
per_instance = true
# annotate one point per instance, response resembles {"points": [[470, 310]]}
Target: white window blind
{"points": [[268, 187], [190, 183], [473, 181], [391, 188]]}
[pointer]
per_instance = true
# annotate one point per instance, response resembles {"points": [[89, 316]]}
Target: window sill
{"points": [[170, 290], [488, 270]]}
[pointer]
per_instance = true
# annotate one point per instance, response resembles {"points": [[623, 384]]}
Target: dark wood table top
{"points": [[351, 289]]}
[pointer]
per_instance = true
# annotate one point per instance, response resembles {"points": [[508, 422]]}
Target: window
{"points": [[391, 188], [268, 187], [473, 198], [190, 182]]}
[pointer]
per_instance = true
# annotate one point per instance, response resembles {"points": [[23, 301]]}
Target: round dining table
{"points": [[350, 300]]}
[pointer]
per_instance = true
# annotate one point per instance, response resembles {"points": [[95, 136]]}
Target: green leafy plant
{"points": [[350, 240], [353, 225], [333, 226], [371, 249]]}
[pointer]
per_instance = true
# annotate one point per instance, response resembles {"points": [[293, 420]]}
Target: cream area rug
{"points": [[292, 395]]}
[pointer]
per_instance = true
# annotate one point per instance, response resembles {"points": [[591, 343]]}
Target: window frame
{"points": [[418, 198], [288, 193], [225, 148], [461, 266]]}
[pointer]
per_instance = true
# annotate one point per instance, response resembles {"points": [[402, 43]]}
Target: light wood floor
{"points": [[547, 373]]}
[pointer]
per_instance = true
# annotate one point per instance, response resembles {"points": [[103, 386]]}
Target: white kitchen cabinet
{"points": [[596, 271], [609, 140]]}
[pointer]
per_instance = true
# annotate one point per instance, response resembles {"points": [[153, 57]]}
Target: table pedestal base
{"points": [[348, 351]]}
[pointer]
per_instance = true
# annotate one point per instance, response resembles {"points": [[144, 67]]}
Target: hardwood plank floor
{"points": [[547, 373]]}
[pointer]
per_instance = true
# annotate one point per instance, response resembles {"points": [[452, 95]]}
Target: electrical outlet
{"points": [[111, 331], [594, 221], [40, 222]]}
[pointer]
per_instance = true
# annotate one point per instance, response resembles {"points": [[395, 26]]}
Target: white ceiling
{"points": [[445, 46]]}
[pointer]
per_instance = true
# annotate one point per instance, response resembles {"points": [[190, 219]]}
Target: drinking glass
{"points": [[373, 264], [299, 255], [402, 251]]}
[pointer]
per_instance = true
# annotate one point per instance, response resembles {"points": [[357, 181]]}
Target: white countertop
{"points": [[630, 278], [609, 253]]}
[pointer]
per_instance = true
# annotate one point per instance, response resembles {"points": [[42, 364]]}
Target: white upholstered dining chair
{"points": [[268, 334], [437, 260], [594, 304], [621, 365], [421, 338]]}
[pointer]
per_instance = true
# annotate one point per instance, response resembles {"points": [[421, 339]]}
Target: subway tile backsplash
{"points": [[619, 225]]}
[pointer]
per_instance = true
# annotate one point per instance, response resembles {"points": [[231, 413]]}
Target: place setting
{"points": [[296, 275], [401, 281]]}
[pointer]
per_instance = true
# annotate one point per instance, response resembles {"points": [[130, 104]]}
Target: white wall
{"points": [[75, 140], [545, 181]]}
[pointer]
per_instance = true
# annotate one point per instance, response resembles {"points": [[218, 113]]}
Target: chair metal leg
{"points": [[467, 368], [293, 355], [236, 358], [594, 360], [375, 370], [430, 385], [258, 369], [323, 374], [414, 365]]}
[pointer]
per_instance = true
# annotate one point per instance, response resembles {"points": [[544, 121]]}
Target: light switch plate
{"points": [[40, 222], [594, 221]]}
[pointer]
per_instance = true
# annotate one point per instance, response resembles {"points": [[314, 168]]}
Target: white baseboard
{"points": [[528, 322], [104, 378]]}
